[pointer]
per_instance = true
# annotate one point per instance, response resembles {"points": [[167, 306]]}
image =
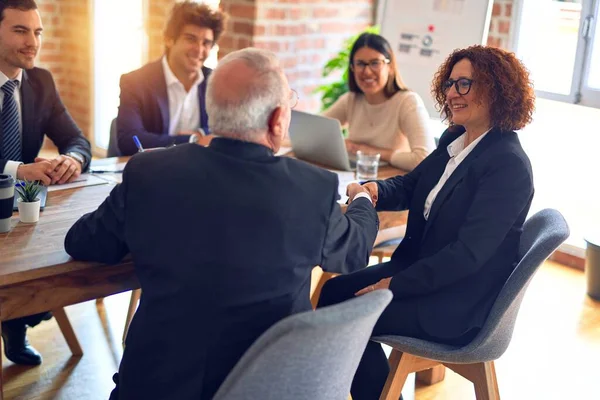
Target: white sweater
{"points": [[401, 123]]}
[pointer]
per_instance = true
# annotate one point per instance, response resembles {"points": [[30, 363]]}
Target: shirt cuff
{"points": [[365, 195], [11, 168]]}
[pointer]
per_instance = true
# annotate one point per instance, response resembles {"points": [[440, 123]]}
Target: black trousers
{"points": [[31, 320], [399, 318]]}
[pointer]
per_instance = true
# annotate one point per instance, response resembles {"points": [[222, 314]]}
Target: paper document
{"points": [[345, 178], [117, 168], [283, 151], [83, 180]]}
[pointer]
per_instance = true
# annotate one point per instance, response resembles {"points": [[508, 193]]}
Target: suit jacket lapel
{"points": [[162, 96], [459, 173], [27, 112]]}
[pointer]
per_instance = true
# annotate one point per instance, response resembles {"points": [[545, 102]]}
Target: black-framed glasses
{"points": [[293, 98], [462, 85], [374, 65]]}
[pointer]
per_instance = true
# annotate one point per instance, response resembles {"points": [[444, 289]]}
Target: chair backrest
{"points": [[113, 147], [542, 234], [307, 356]]}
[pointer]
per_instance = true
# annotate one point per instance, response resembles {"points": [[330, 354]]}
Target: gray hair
{"points": [[247, 113]]}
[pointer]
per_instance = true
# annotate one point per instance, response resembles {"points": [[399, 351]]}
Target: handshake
{"points": [[369, 188]]}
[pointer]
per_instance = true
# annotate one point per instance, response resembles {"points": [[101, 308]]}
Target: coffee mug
{"points": [[7, 195]]}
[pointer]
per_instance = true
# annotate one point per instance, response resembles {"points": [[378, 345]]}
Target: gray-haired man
{"points": [[224, 237]]}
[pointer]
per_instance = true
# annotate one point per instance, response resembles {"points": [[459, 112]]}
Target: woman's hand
{"points": [[353, 147], [382, 284]]}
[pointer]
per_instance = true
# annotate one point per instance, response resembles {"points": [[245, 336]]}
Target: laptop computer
{"points": [[319, 139], [42, 195]]}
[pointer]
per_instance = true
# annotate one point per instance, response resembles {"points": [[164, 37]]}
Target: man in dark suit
{"points": [[223, 237], [163, 103], [31, 107]]}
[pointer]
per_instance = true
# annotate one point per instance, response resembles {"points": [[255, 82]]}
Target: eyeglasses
{"points": [[374, 65], [293, 98], [462, 85]]}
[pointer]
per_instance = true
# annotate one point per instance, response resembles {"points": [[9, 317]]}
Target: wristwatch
{"points": [[76, 156]]}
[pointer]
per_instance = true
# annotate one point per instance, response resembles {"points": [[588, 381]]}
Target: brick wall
{"points": [[501, 24], [158, 12], [66, 52]]}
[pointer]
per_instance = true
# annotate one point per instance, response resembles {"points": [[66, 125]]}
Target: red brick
{"points": [[496, 10], [244, 28], [504, 27], [325, 12], [242, 11], [275, 13], [508, 10]]}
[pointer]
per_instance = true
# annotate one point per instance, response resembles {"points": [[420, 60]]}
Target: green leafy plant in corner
{"points": [[332, 91], [28, 191]]}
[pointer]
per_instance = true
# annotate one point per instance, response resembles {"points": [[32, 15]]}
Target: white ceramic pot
{"points": [[29, 213]]}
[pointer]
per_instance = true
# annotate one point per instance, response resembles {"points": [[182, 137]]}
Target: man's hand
{"points": [[38, 171], [382, 284], [370, 188], [200, 138], [64, 169]]}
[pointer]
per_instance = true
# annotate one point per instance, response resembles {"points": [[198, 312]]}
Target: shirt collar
{"points": [[458, 145], [4, 78], [170, 77]]}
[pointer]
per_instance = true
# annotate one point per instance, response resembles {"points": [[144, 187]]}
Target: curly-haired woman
{"points": [[468, 201]]}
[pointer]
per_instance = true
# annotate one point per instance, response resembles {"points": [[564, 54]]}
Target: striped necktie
{"points": [[11, 144]]}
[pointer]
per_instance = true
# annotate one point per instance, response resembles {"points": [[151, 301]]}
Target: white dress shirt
{"points": [[458, 152], [184, 107], [11, 166]]}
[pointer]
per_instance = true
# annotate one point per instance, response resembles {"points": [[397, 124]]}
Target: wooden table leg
{"points": [[67, 331]]}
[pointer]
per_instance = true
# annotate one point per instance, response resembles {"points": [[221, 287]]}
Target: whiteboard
{"points": [[423, 33]]}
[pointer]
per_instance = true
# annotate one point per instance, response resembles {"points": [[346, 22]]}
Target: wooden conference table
{"points": [[37, 275]]}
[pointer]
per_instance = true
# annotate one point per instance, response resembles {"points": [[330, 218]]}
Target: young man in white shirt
{"points": [[162, 103]]}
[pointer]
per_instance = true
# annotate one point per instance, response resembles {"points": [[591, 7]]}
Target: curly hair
{"points": [[190, 12], [502, 80]]}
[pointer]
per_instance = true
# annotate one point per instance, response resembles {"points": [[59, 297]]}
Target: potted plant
{"points": [[28, 201], [332, 91]]}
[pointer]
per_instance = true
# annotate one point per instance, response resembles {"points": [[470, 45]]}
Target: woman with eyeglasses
{"points": [[467, 203], [381, 114]]}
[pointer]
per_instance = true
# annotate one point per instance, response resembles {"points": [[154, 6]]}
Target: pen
{"points": [[103, 171], [138, 144]]}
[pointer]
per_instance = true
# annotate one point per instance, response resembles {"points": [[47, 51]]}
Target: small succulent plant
{"points": [[28, 190]]}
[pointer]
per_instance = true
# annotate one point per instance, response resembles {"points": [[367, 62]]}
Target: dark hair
{"points": [[190, 12], [502, 80], [23, 5], [380, 45]]}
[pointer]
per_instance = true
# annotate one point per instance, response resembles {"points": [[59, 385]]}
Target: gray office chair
{"points": [[542, 234], [308, 356], [113, 146]]}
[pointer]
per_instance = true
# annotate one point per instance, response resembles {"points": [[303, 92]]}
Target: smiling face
{"points": [[468, 110], [190, 49], [371, 71], [20, 40]]}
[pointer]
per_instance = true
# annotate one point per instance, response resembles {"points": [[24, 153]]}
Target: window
{"points": [[119, 42]]}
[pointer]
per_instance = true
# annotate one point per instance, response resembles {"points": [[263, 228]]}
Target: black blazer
{"points": [[43, 112], [224, 239], [144, 109], [452, 266]]}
